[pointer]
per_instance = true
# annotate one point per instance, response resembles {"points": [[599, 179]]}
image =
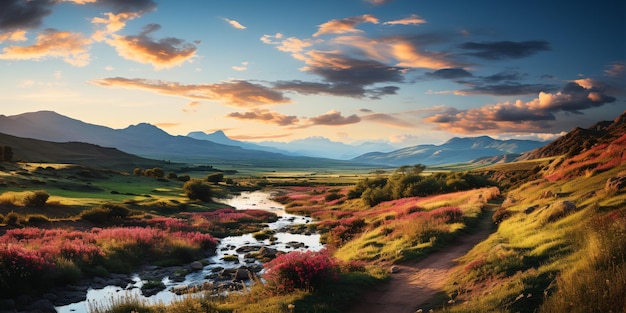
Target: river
{"points": [[247, 200]]}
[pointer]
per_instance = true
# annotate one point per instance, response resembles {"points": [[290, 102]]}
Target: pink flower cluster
{"points": [[307, 270]]}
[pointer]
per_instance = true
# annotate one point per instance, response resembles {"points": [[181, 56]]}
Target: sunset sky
{"points": [[405, 72]]}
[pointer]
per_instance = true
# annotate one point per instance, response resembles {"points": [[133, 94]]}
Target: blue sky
{"points": [[405, 72]]}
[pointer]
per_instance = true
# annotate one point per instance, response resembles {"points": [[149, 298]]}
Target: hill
{"points": [[39, 151], [455, 150], [323, 147], [581, 139], [148, 141]]}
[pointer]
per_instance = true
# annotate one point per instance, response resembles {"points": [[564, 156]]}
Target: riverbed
{"points": [[227, 247]]}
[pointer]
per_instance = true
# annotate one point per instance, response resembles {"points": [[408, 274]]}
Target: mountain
{"points": [[33, 150], [221, 138], [148, 141], [455, 150], [324, 147], [581, 139]]}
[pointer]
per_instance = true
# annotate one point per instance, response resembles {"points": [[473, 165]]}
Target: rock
{"points": [[248, 249], [196, 266], [394, 269], [241, 274], [268, 253]]}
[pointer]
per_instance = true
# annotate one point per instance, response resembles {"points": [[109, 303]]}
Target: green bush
{"points": [[198, 190]]}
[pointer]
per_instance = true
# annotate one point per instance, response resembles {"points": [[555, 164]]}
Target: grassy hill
{"points": [[32, 150]]}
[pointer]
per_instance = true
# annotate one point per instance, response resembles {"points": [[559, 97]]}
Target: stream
{"points": [[259, 200]]}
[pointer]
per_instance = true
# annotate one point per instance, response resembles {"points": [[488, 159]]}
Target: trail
{"points": [[417, 283]]}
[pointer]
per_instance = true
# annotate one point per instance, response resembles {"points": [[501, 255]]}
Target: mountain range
{"points": [[149, 141], [455, 150]]}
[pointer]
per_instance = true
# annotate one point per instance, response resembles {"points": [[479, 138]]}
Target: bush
{"points": [[105, 213], [500, 215], [197, 190], [36, 198], [215, 178], [301, 270], [11, 218], [37, 219]]}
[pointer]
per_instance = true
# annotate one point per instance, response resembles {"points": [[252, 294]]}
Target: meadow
{"points": [[557, 241]]}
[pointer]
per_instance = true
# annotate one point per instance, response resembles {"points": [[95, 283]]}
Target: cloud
{"points": [[266, 116], [72, 47], [412, 20], [258, 137], [119, 6], [616, 70], [112, 23], [234, 24], [377, 2], [161, 54], [20, 14], [18, 35], [505, 49], [386, 119], [346, 25], [345, 76], [333, 118], [167, 125], [236, 93], [242, 67], [191, 106], [506, 89], [450, 73], [519, 116]]}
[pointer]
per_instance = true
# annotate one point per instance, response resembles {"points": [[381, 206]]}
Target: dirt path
{"points": [[416, 283]]}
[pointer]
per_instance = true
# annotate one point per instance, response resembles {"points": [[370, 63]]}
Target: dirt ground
{"points": [[415, 284]]}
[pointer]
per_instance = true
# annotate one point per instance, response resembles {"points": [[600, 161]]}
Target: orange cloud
{"points": [[236, 93], [234, 24], [386, 119], [412, 20], [161, 54], [112, 23], [520, 116], [334, 118], [266, 116], [346, 25], [18, 35], [167, 125], [72, 47], [257, 137]]}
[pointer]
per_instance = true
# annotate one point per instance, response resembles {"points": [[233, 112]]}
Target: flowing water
{"points": [[227, 246]]}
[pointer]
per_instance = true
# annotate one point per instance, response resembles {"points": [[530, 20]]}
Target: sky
{"points": [[403, 72]]}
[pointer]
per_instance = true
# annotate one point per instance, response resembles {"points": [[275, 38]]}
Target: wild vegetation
{"points": [[557, 242]]}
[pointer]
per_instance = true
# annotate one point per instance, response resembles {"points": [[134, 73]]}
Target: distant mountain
{"points": [[324, 147], [455, 150], [33, 150], [221, 138], [581, 139], [148, 141]]}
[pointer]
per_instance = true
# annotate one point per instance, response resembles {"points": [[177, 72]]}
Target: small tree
{"points": [[37, 198], [198, 190], [215, 177], [172, 176], [137, 171]]}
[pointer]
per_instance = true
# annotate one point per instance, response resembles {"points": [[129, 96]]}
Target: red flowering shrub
{"points": [[301, 270], [20, 268]]}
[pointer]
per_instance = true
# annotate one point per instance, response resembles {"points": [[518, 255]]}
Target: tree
{"points": [[198, 190], [215, 177], [137, 171], [172, 176]]}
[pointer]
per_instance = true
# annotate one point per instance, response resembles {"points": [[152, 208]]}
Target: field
{"points": [[557, 222]]}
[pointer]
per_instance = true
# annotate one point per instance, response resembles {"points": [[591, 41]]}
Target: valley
{"points": [[523, 236]]}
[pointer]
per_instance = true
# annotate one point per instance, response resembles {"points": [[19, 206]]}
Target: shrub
{"points": [[301, 270], [37, 219], [197, 190], [36, 198], [500, 215], [332, 196], [11, 218], [215, 177], [184, 178], [98, 215]]}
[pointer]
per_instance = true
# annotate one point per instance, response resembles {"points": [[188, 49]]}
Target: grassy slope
{"points": [[552, 259]]}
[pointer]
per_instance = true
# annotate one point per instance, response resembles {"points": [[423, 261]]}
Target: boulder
{"points": [[196, 266], [42, 306]]}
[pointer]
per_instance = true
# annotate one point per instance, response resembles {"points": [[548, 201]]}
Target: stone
{"points": [[394, 269], [42, 306], [196, 266]]}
